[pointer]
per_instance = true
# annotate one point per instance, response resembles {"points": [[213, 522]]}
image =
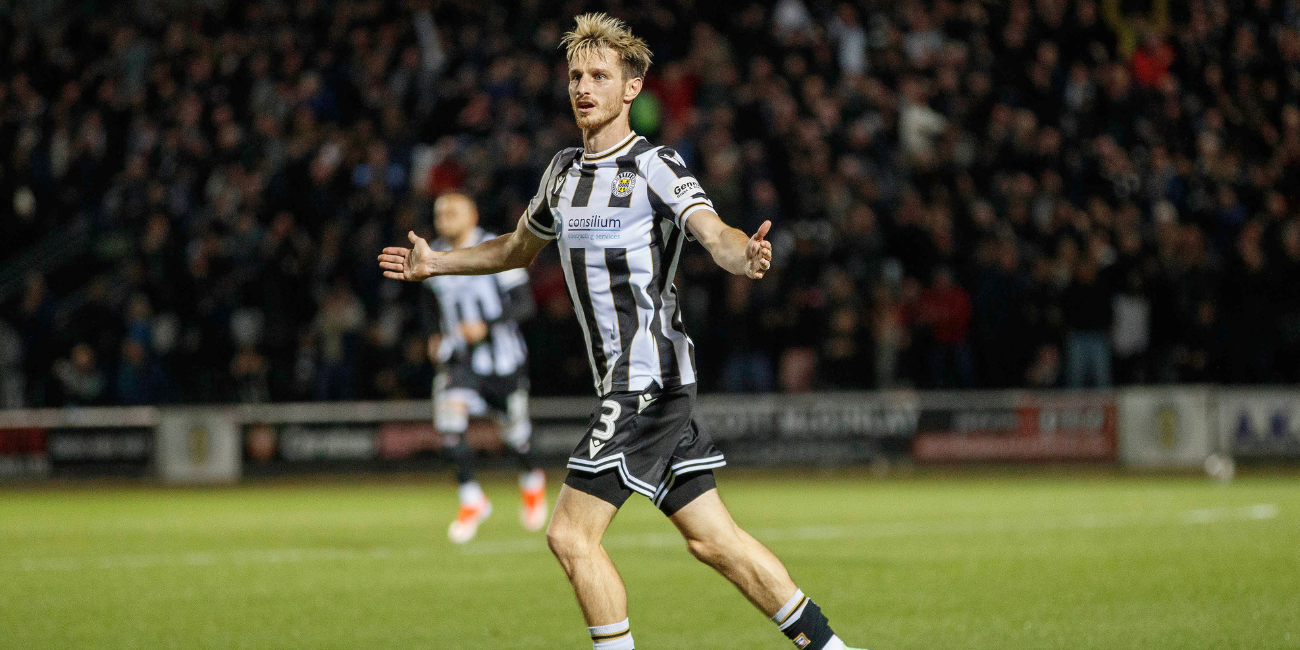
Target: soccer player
{"points": [[620, 209], [482, 367]]}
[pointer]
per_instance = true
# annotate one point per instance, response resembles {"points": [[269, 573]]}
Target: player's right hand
{"points": [[411, 264]]}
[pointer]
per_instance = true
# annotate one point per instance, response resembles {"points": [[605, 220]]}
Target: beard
{"points": [[595, 119]]}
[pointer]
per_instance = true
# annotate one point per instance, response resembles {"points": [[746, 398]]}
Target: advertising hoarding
{"points": [[1260, 423], [1166, 427], [1016, 426]]}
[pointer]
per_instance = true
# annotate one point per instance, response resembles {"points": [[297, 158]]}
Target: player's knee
{"points": [[451, 417], [704, 550], [713, 549], [517, 435], [568, 542]]}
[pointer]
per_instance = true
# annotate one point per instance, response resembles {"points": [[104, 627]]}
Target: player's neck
{"points": [[600, 138]]}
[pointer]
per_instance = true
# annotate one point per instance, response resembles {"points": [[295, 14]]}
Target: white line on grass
{"points": [[649, 540]]}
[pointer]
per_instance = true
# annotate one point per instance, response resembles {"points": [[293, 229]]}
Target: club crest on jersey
{"points": [[624, 183]]}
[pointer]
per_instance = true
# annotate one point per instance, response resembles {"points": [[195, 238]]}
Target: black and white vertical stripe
{"points": [[620, 218], [470, 298]]}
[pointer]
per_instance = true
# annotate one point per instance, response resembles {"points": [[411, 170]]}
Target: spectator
{"points": [[338, 327], [12, 380], [747, 366], [140, 380], [890, 336], [945, 310], [1087, 311], [80, 381], [1045, 370]]}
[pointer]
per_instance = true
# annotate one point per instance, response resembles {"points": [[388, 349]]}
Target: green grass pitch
{"points": [[997, 560]]}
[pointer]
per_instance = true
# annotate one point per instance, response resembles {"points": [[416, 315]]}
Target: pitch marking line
{"points": [[653, 540]]}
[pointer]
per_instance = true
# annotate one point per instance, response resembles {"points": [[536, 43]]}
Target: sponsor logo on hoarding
{"points": [[1032, 429], [822, 419], [101, 446], [1262, 427], [199, 445], [1167, 426], [336, 443]]}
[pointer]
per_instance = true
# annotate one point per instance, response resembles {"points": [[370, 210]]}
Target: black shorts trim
{"points": [[494, 390], [685, 468], [676, 494], [619, 462]]}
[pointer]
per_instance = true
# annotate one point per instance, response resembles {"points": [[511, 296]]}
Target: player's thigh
{"points": [[705, 520], [579, 518]]}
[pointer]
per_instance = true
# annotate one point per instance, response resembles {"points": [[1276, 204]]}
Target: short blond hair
{"points": [[595, 31]]}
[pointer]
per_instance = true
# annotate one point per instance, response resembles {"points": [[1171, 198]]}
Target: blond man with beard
{"points": [[620, 210]]}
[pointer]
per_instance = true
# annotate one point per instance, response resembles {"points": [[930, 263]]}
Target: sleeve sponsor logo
{"points": [[684, 186]]}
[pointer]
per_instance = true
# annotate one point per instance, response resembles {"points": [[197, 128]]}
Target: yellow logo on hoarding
{"points": [[200, 446], [1167, 426]]}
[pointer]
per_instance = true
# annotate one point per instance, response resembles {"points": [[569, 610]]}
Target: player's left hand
{"points": [[758, 253], [408, 263]]}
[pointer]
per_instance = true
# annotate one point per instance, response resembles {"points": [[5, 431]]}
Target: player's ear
{"points": [[632, 89]]}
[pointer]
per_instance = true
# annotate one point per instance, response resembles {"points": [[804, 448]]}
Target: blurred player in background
{"points": [[482, 367], [620, 209]]}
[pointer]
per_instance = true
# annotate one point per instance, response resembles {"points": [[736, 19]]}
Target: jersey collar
{"points": [[612, 151]]}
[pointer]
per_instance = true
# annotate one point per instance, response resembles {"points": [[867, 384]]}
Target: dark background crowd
{"points": [[964, 194]]}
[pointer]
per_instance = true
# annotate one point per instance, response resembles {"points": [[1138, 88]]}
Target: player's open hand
{"points": [[412, 264], [758, 253]]}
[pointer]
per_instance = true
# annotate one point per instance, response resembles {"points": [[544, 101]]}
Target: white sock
{"points": [[615, 636], [470, 492], [788, 614], [834, 644], [534, 480]]}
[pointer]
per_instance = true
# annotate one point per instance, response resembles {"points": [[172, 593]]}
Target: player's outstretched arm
{"points": [[513, 251], [731, 248]]}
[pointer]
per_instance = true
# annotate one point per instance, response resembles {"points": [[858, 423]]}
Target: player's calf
{"points": [[714, 538]]}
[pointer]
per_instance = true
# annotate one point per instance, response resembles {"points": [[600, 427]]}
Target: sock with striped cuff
{"points": [[802, 621], [615, 636]]}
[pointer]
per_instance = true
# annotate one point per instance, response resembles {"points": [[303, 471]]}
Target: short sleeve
{"points": [[539, 218], [508, 280], [675, 186]]}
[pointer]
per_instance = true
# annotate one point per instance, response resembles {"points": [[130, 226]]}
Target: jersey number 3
{"points": [[604, 428]]}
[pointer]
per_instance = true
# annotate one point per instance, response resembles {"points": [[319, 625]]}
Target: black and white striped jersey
{"points": [[619, 218], [486, 298]]}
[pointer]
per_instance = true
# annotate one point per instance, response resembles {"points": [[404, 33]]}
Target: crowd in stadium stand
{"points": [[963, 193]]}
